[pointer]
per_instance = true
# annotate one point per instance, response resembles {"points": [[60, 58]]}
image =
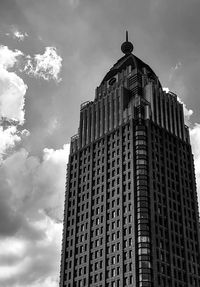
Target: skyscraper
{"points": [[131, 214]]}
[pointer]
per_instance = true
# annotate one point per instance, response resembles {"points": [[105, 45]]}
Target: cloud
{"points": [[16, 34], [8, 138], [12, 96], [32, 195], [8, 57], [187, 112], [19, 35], [173, 70], [31, 210], [12, 93], [46, 66], [12, 87], [28, 262], [52, 125], [166, 89], [195, 142]]}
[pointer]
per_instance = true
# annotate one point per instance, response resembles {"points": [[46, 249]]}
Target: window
{"points": [[141, 161], [113, 248], [113, 272]]}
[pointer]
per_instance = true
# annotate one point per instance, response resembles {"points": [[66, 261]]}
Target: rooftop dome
{"points": [[127, 47], [128, 59]]}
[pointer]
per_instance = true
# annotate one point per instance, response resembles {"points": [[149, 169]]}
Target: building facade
{"points": [[131, 214]]}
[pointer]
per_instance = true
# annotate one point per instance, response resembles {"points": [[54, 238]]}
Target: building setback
{"points": [[131, 212]]}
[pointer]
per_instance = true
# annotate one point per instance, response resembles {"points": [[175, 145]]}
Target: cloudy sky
{"points": [[53, 54]]}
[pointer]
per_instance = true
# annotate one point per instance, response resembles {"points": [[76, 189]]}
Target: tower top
{"points": [[127, 47]]}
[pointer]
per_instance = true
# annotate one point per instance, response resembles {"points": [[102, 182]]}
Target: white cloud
{"points": [[173, 70], [53, 124], [12, 87], [32, 190], [46, 66], [195, 139], [195, 142], [30, 262], [15, 33], [12, 99], [12, 96], [187, 112], [177, 66], [25, 132], [8, 138], [19, 35], [50, 183], [8, 57], [166, 90], [31, 210], [11, 247], [35, 181]]}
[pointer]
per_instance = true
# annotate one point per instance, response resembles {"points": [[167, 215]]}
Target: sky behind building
{"points": [[53, 54]]}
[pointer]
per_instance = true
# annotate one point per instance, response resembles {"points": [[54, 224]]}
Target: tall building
{"points": [[131, 213]]}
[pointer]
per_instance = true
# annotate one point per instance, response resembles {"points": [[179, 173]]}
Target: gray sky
{"points": [[53, 54]]}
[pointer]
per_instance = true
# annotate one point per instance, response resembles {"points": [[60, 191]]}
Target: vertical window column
{"points": [[142, 201]]}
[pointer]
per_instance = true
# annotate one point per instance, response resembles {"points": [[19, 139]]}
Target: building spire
{"points": [[126, 36], [127, 47]]}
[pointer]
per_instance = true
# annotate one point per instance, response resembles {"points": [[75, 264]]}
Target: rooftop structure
{"points": [[131, 214]]}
